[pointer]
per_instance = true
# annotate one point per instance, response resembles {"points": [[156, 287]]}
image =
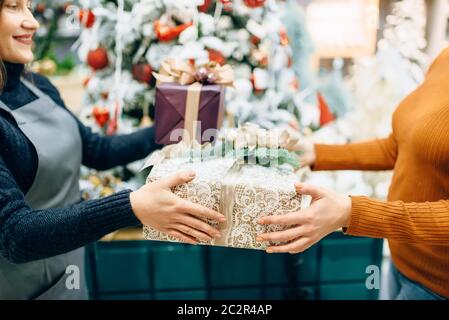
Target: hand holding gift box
{"points": [[190, 100], [245, 176]]}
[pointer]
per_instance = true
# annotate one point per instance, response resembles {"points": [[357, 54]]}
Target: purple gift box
{"points": [[171, 106]]}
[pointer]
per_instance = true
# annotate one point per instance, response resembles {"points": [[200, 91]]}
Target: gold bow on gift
{"points": [[184, 73]]}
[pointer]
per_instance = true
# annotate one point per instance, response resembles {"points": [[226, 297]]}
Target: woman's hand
{"points": [[328, 212], [306, 150], [155, 205]]}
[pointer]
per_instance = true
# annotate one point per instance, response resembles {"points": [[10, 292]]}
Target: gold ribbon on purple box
{"points": [[184, 73]]}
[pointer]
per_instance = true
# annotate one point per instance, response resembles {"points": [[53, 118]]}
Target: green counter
{"points": [[335, 268]]}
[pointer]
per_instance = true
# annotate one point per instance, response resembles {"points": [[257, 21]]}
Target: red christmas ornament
{"points": [[205, 7], [326, 115], [101, 115], [87, 18], [254, 3], [98, 59], [142, 72], [166, 33], [216, 56]]}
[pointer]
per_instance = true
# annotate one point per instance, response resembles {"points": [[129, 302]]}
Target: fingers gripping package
{"points": [[244, 176]]}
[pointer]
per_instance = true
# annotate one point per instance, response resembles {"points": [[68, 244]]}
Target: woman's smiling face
{"points": [[17, 27]]}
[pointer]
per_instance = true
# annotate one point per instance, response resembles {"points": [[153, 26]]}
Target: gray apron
{"points": [[56, 139]]}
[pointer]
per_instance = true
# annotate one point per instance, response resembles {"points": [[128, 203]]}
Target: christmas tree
{"points": [[54, 29], [123, 42]]}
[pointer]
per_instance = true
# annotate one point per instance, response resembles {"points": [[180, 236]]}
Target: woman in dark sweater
{"points": [[43, 223]]}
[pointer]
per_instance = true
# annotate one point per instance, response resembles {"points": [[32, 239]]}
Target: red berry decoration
{"points": [[326, 115], [142, 72], [254, 3], [255, 40], [98, 59], [205, 7], [216, 56], [167, 33], [101, 115], [87, 18]]}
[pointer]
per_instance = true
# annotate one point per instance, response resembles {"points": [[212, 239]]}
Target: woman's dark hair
{"points": [[2, 66]]}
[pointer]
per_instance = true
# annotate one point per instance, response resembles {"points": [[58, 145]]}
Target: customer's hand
{"points": [[155, 205], [328, 212], [305, 149]]}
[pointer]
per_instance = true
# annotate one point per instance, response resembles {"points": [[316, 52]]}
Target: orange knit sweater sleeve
{"points": [[424, 222], [378, 154]]}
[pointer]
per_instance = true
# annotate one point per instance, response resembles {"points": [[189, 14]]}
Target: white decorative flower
{"points": [[243, 88], [188, 35], [157, 52], [224, 23], [213, 43], [191, 50], [207, 24], [242, 71]]}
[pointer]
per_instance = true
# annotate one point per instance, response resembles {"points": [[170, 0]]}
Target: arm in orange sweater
{"points": [[424, 222], [379, 154]]}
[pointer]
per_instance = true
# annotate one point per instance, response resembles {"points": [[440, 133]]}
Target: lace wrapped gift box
{"points": [[242, 192]]}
